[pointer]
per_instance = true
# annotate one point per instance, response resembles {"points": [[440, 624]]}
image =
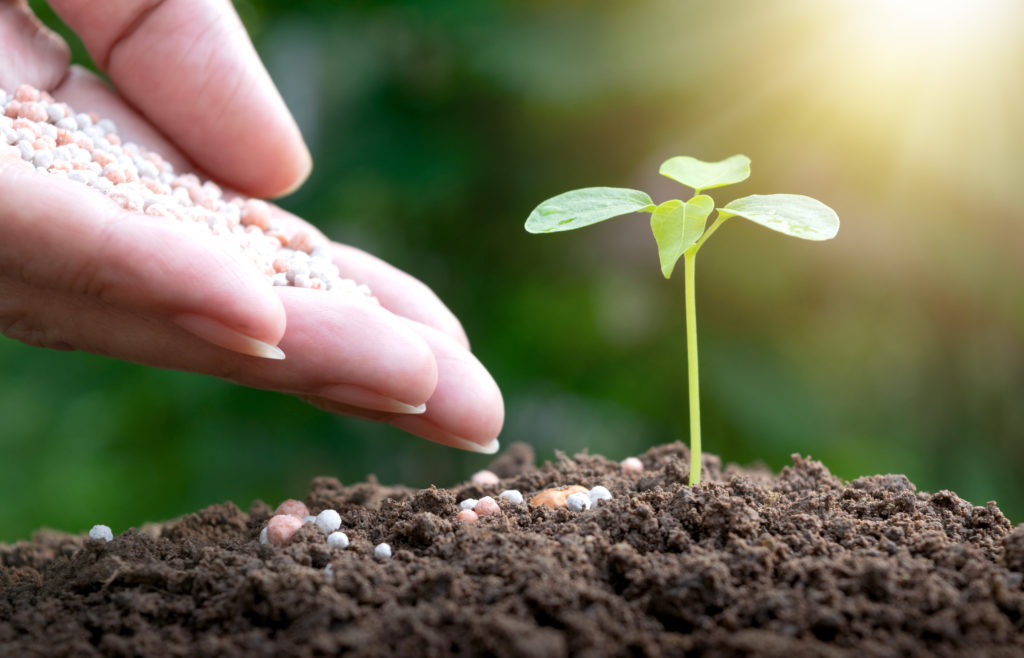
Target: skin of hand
{"points": [[79, 272]]}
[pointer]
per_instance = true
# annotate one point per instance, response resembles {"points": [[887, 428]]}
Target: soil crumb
{"points": [[745, 564]]}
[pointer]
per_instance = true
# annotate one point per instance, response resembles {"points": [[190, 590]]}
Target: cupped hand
{"points": [[79, 272]]}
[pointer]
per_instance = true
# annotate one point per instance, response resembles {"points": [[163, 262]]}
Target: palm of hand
{"points": [[78, 272]]}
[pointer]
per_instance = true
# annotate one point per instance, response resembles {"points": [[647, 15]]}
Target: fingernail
{"points": [[360, 397], [463, 444], [431, 432], [306, 169], [214, 332]]}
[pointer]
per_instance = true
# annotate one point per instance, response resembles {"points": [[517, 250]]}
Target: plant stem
{"points": [[707, 234], [689, 257]]}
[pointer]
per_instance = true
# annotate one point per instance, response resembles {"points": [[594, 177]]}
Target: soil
{"points": [[746, 563]]}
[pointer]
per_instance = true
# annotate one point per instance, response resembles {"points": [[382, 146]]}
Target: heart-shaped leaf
{"points": [[677, 226], [792, 214], [702, 175], [584, 207]]}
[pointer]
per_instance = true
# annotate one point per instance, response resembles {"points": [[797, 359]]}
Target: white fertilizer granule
{"points": [[469, 503], [599, 493], [101, 532], [512, 495], [578, 502], [328, 521], [337, 540], [382, 551], [86, 149]]}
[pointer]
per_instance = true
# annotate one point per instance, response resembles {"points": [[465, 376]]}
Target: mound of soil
{"points": [[746, 563]]}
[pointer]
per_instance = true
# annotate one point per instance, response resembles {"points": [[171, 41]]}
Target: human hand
{"points": [[79, 272]]}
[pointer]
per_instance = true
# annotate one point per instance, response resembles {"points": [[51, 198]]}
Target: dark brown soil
{"points": [[748, 563]]}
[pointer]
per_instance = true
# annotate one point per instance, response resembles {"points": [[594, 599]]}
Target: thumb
{"points": [[190, 68]]}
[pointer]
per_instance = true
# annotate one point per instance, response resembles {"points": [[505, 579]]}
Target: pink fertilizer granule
{"points": [[632, 465], [87, 149], [486, 506], [484, 478], [293, 507], [280, 528]]}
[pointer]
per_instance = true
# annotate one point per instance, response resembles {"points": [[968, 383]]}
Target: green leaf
{"points": [[702, 175], [677, 226], [584, 207], [792, 214]]}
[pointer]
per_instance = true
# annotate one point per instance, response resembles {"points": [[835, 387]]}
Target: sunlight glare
{"points": [[939, 29]]}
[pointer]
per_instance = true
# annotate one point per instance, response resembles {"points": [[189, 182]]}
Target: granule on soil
{"points": [[337, 540], [328, 521], [745, 563], [578, 502], [632, 465], [599, 493], [486, 506], [512, 495], [101, 532]]}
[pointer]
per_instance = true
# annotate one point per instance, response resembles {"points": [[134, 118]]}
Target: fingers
{"points": [[466, 409], [336, 341], [78, 272], [61, 237], [397, 291], [347, 348], [31, 54], [188, 66]]}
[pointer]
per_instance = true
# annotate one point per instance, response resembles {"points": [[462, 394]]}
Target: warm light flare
{"points": [[927, 29]]}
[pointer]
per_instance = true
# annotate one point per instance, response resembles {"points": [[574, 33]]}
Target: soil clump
{"points": [[748, 563]]}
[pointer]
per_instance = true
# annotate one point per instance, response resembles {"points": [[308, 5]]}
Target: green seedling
{"points": [[680, 230]]}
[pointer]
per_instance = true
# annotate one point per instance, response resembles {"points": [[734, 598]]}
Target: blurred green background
{"points": [[436, 127]]}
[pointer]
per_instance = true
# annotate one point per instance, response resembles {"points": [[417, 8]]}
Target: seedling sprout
{"points": [[680, 230]]}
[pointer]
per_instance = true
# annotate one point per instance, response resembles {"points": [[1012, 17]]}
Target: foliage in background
{"points": [[435, 126]]}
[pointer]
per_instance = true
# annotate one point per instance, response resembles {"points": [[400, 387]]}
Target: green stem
{"points": [[689, 257], [707, 234]]}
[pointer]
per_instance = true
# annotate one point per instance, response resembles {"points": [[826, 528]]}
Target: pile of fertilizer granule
{"points": [[87, 149]]}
